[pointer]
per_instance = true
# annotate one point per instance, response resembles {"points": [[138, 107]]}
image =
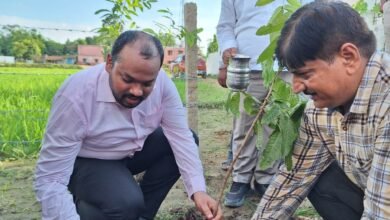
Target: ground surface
{"points": [[17, 199]]}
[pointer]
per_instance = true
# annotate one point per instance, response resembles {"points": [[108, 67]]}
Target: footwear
{"points": [[236, 196], [260, 188]]}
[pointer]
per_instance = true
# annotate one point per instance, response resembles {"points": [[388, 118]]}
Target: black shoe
{"points": [[236, 196], [260, 188]]}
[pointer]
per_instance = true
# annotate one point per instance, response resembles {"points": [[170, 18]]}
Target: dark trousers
{"points": [[335, 197], [106, 189]]}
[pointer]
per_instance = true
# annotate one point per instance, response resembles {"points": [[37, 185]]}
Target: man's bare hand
{"points": [[222, 76], [207, 206], [227, 54]]}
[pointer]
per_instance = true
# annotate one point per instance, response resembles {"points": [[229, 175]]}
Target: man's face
{"points": [[132, 77], [328, 84]]}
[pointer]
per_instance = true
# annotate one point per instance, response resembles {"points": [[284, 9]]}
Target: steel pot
{"points": [[238, 73]]}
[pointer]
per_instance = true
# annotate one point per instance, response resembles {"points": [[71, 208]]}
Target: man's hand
{"points": [[227, 54], [207, 206], [222, 74]]}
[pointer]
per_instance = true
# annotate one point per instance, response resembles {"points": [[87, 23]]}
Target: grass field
{"points": [[26, 95]]}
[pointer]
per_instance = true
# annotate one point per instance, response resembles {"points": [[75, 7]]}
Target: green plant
{"points": [[177, 30], [115, 20]]}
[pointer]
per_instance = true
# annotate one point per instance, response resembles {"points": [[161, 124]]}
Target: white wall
{"points": [[7, 59], [212, 63]]}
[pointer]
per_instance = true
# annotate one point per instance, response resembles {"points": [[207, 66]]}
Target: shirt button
{"points": [[344, 128]]}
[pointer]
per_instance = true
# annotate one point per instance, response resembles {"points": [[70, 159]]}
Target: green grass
{"points": [[25, 100], [36, 71]]}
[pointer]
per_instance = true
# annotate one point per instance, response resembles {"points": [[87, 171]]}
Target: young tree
{"points": [[213, 45]]}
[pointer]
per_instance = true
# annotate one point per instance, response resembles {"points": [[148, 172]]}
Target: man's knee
{"points": [[118, 207], [126, 208]]}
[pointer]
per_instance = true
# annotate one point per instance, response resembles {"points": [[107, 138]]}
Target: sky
{"points": [[80, 15]]}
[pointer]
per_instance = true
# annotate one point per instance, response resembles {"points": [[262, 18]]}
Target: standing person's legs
{"points": [[229, 158], [106, 189], [335, 197], [386, 24], [247, 161]]}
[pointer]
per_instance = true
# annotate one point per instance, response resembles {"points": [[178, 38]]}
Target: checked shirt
{"points": [[358, 140]]}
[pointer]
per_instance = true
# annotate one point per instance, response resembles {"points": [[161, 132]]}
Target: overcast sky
{"points": [[79, 15]]}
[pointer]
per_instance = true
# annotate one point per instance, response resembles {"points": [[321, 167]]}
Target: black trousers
{"points": [[106, 189], [335, 196]]}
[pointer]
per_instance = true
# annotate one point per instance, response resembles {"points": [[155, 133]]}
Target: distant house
{"points": [[66, 59], [89, 54], [170, 53], [7, 59]]}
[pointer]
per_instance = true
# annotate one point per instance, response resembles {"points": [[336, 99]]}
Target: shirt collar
{"points": [[362, 98], [104, 92]]}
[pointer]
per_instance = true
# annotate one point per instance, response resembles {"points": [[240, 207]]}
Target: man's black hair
{"points": [[147, 50], [318, 30]]}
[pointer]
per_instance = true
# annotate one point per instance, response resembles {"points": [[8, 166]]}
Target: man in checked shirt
{"points": [[341, 159]]}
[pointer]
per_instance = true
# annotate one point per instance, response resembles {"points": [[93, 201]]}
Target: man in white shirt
{"points": [[236, 33], [113, 121]]}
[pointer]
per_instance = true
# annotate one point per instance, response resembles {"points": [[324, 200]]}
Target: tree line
{"points": [[29, 43]]}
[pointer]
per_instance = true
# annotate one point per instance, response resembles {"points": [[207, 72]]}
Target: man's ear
{"points": [[351, 57], [109, 63]]}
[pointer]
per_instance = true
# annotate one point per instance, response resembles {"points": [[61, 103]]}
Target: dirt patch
{"points": [[17, 199]]}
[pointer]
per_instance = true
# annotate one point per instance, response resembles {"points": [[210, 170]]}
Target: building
{"points": [[170, 53], [89, 54], [68, 59], [7, 59]]}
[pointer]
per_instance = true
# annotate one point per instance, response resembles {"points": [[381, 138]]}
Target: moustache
{"points": [[308, 92], [133, 97]]}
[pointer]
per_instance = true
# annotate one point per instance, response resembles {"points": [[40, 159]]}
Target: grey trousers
{"points": [[247, 164]]}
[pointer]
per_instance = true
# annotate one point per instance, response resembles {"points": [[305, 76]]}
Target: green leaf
{"points": [[268, 72], [289, 133], [100, 11], [294, 3], [150, 31], [259, 136], [297, 113], [235, 103], [288, 160], [271, 115], [277, 15], [267, 52], [263, 2], [270, 28], [281, 91], [249, 104], [272, 151], [360, 6], [228, 101]]}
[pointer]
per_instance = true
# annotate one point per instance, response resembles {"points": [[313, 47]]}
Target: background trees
{"points": [[27, 44]]}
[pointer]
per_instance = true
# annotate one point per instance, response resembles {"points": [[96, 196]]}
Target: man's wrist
{"points": [[222, 67]]}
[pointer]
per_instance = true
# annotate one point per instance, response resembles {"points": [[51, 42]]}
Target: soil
{"points": [[17, 199]]}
